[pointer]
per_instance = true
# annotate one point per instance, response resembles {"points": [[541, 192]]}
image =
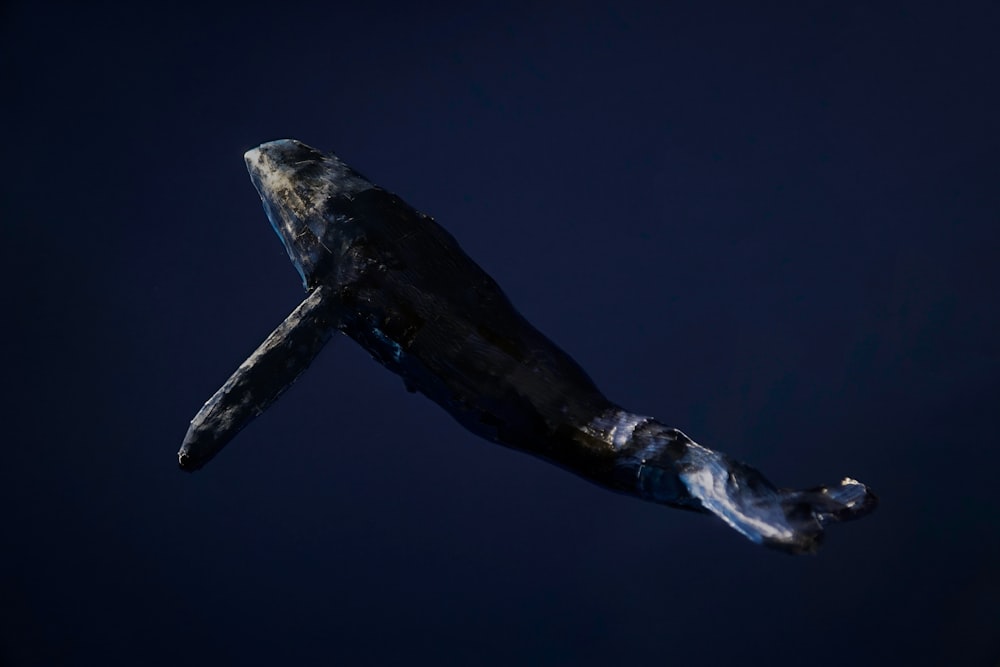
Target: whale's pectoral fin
{"points": [[259, 380]]}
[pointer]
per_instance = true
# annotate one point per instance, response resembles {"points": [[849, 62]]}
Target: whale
{"points": [[388, 276]]}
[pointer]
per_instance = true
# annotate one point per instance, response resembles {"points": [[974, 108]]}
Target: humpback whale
{"points": [[395, 281]]}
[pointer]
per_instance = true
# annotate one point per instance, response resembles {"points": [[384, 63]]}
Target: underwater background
{"points": [[772, 225]]}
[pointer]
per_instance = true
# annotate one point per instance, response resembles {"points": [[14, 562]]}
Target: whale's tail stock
{"points": [[672, 469], [788, 520]]}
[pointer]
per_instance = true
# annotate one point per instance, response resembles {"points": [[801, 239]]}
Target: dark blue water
{"points": [[774, 228]]}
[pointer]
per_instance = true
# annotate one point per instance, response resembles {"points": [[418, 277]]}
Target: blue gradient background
{"points": [[773, 227]]}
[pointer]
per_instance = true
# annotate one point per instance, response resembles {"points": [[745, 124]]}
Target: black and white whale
{"points": [[396, 282]]}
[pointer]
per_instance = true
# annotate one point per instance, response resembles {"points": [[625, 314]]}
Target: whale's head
{"points": [[299, 187]]}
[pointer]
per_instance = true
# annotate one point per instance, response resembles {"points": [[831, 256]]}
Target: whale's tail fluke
{"points": [[809, 511]]}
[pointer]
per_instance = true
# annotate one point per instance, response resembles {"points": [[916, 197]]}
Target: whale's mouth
{"points": [[296, 184]]}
